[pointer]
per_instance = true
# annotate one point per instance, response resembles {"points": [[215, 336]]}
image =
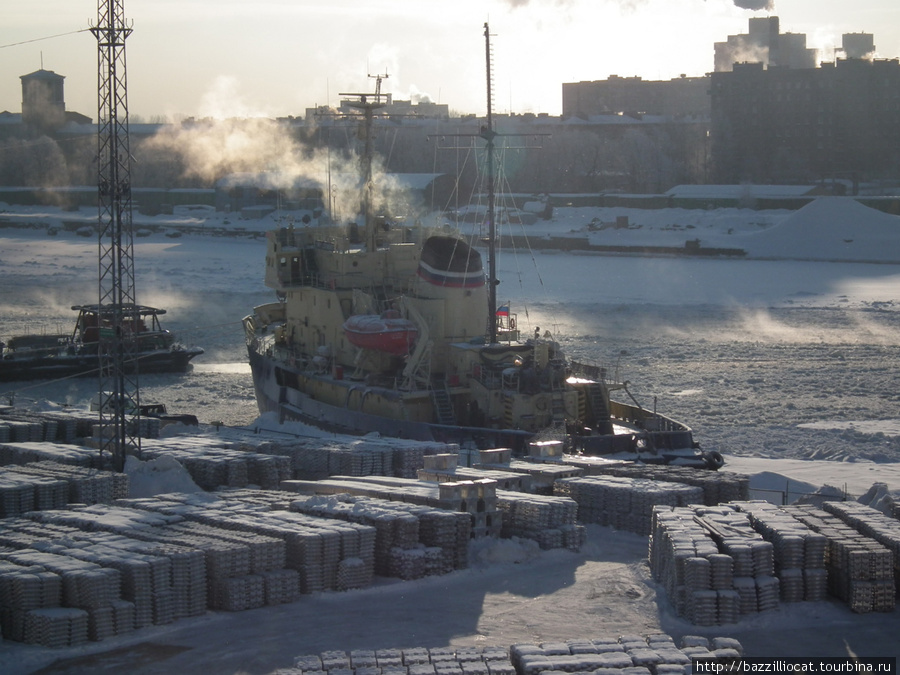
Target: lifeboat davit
{"points": [[387, 332]]}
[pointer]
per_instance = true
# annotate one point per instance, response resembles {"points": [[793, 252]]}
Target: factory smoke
{"points": [[755, 5]]}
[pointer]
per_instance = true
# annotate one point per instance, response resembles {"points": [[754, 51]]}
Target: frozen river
{"points": [[761, 357]]}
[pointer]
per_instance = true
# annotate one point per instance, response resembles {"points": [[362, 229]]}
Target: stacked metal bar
{"points": [[860, 570], [799, 551], [624, 503]]}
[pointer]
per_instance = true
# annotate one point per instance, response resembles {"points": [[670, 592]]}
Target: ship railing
{"points": [[596, 372], [644, 419]]}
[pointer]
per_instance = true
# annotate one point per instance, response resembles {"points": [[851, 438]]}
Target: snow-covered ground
{"points": [[785, 360]]}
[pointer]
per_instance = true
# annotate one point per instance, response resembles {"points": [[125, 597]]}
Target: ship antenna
{"points": [[488, 134]]}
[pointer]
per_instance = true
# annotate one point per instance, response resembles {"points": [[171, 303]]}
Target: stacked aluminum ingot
{"points": [[552, 521], [655, 653], [84, 485], [22, 590], [860, 570], [26, 452], [872, 523], [212, 466], [16, 495], [705, 585], [398, 526], [85, 586], [717, 486], [624, 503], [799, 551], [56, 627], [753, 556], [411, 661]]}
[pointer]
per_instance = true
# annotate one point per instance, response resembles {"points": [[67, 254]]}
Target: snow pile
{"points": [[157, 476], [882, 498], [829, 228]]}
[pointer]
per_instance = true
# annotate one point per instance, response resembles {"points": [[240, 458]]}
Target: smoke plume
{"points": [[632, 4], [755, 4]]}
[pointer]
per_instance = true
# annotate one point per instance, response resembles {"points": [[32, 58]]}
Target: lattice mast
{"points": [[488, 134], [118, 309], [368, 104]]}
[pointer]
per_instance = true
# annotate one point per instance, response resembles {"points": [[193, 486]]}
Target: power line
{"points": [[49, 37]]}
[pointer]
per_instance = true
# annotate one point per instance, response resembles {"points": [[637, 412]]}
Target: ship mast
{"points": [[488, 134], [368, 108]]}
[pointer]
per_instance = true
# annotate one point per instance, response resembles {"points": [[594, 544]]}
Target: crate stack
{"points": [[550, 521], [479, 499], [799, 551], [872, 523], [860, 570], [624, 503], [699, 580]]}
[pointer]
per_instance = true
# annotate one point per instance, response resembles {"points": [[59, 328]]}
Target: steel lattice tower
{"points": [[117, 311]]}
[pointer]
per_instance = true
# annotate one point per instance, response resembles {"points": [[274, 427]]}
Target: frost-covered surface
{"points": [[775, 361]]}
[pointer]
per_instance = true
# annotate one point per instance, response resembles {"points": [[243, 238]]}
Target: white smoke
{"points": [[755, 5]]}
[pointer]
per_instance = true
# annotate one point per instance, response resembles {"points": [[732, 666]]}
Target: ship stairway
{"points": [[598, 408], [443, 405], [558, 408]]}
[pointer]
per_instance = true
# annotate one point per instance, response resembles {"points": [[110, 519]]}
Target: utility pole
{"points": [[117, 312]]}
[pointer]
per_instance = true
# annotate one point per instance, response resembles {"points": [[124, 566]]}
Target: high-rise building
{"points": [[632, 95], [764, 43], [780, 124]]}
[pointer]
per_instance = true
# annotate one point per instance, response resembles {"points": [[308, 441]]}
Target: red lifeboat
{"points": [[387, 332]]}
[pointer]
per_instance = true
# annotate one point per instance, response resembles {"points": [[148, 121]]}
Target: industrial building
{"points": [[782, 124]]}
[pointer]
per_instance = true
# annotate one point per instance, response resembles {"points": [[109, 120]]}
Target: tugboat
{"points": [[41, 357], [398, 332]]}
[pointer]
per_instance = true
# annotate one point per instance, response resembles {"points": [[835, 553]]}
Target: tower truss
{"points": [[117, 311]]}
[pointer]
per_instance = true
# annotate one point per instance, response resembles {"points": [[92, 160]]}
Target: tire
{"points": [[714, 460]]}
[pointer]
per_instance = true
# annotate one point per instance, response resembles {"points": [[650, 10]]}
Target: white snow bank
{"points": [[829, 228], [880, 497], [158, 476]]}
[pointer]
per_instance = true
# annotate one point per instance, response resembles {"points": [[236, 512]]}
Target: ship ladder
{"points": [[558, 408], [598, 407], [443, 405]]}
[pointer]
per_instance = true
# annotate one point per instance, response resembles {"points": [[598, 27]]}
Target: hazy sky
{"points": [[277, 57]]}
